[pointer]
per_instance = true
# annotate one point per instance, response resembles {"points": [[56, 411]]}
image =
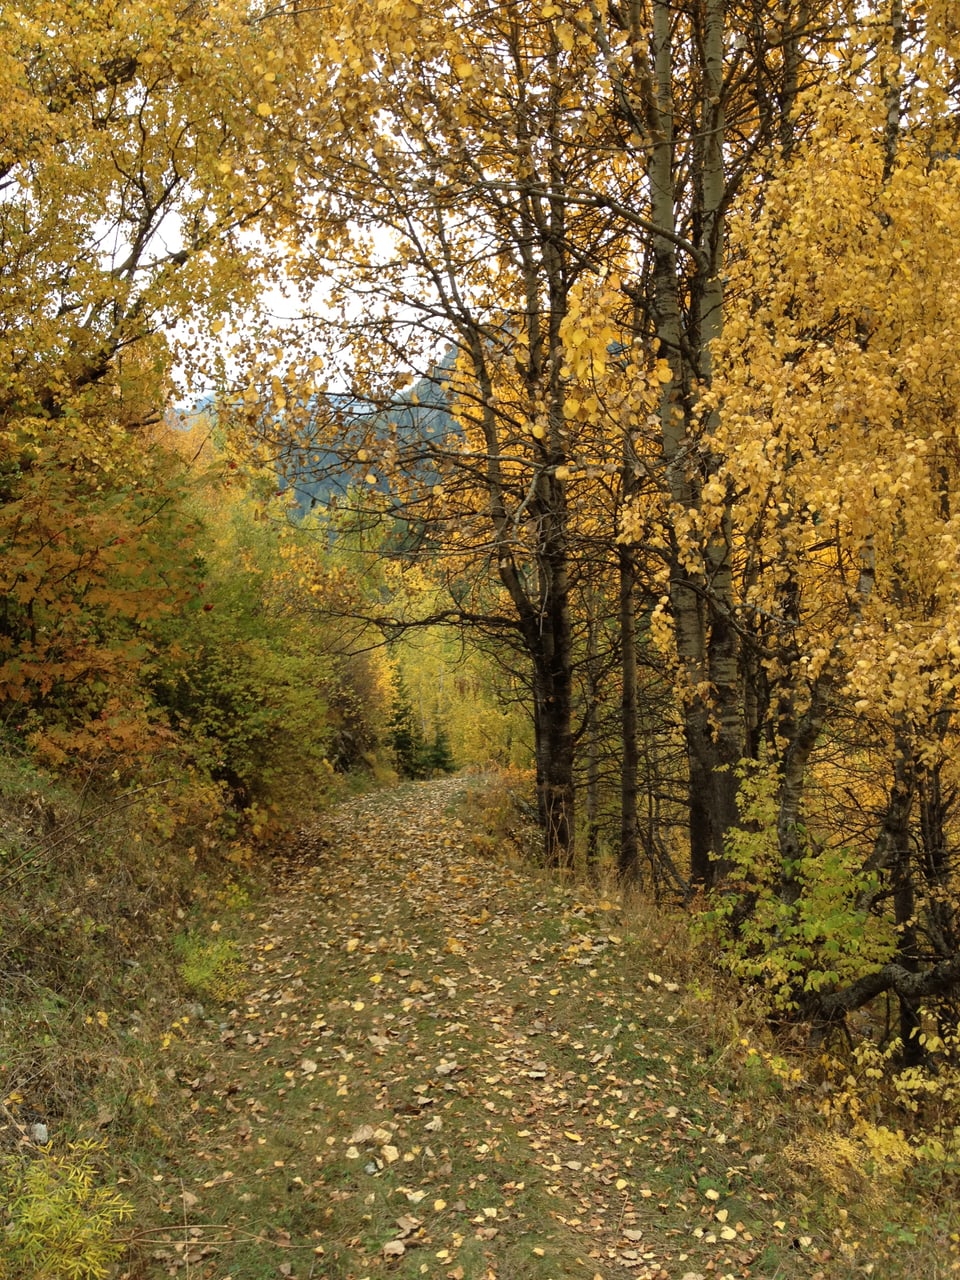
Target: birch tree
{"points": [[132, 157]]}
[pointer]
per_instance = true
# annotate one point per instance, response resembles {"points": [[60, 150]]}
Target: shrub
{"points": [[59, 1224], [210, 969]]}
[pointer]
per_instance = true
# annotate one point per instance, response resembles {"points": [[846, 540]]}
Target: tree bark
{"points": [[628, 861]]}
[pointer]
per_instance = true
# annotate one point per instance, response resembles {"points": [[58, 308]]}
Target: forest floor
{"points": [[438, 1063]]}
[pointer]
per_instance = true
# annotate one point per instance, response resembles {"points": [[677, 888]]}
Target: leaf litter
{"points": [[445, 1066]]}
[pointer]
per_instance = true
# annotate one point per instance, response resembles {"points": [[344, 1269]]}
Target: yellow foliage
{"points": [[58, 1220], [869, 1084], [856, 1166], [838, 445]]}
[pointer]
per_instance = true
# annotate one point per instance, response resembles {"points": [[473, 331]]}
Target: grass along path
{"points": [[444, 1066]]}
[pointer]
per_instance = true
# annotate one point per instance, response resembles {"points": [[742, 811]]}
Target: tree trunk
{"points": [[628, 861], [591, 729], [701, 594], [555, 800], [896, 829]]}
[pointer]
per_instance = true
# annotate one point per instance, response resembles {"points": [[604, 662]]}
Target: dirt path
{"points": [[444, 1067]]}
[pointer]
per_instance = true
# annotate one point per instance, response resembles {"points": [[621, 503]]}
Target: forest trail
{"points": [[445, 1066]]}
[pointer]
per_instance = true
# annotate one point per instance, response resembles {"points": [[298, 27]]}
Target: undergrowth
{"points": [[61, 1223], [94, 885], [211, 969]]}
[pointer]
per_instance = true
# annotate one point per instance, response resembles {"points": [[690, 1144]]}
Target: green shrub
{"points": [[819, 938], [210, 968]]}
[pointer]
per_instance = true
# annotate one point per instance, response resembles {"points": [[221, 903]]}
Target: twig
{"points": [[623, 1213], [73, 828], [21, 1129]]}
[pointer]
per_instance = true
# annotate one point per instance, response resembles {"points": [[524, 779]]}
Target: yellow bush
{"points": [[58, 1223]]}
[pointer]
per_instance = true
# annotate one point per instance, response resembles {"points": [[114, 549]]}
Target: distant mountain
{"points": [[317, 471]]}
